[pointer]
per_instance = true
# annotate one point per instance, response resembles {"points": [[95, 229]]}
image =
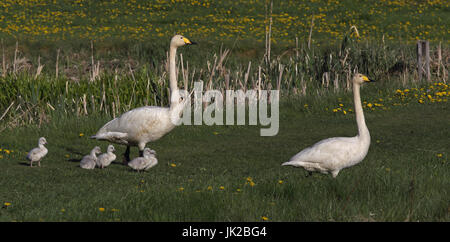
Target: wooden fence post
{"points": [[423, 51]]}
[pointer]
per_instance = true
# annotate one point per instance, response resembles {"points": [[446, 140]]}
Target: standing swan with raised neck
{"points": [[333, 154], [145, 124]]}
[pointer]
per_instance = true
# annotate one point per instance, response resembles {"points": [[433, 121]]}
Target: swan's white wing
{"points": [[137, 125], [327, 151]]}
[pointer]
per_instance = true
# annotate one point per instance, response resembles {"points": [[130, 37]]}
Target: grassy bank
{"points": [[230, 173]]}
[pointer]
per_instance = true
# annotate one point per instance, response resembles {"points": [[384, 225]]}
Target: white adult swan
{"points": [[38, 153], [333, 154], [141, 125], [144, 163]]}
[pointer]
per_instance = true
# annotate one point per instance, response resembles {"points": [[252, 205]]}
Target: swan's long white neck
{"points": [[363, 131], [172, 72], [176, 107]]}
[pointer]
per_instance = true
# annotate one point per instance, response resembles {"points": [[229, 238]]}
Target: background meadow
{"points": [[70, 66]]}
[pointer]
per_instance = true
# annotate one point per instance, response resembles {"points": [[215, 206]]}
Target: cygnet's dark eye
{"points": [[181, 37]]}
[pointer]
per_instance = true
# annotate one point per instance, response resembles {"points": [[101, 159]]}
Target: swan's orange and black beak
{"points": [[366, 79], [188, 42]]}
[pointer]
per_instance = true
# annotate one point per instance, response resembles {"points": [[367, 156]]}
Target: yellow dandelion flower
{"points": [[222, 188], [7, 204], [439, 155], [81, 134], [210, 188], [101, 209], [264, 218], [280, 181], [369, 105], [173, 165], [341, 105]]}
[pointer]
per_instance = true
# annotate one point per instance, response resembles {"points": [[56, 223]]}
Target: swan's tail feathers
{"points": [[297, 163], [116, 137], [290, 163]]}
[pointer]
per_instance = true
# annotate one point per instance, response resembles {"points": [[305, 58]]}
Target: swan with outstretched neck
{"points": [[146, 124], [334, 154]]}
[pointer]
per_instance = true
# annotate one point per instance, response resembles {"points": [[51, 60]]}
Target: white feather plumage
{"points": [[334, 154], [89, 161], [36, 154], [144, 163], [141, 125], [105, 159]]}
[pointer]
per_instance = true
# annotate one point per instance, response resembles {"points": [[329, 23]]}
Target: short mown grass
{"points": [[230, 173]]}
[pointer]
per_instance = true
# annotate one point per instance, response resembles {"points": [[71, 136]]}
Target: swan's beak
{"points": [[366, 79], [188, 42]]}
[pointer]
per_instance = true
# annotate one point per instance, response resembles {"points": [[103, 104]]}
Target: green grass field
{"points": [[230, 173]]}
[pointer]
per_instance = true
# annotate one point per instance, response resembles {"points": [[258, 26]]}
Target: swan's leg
{"points": [[141, 147], [126, 155], [39, 163], [31, 163]]}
